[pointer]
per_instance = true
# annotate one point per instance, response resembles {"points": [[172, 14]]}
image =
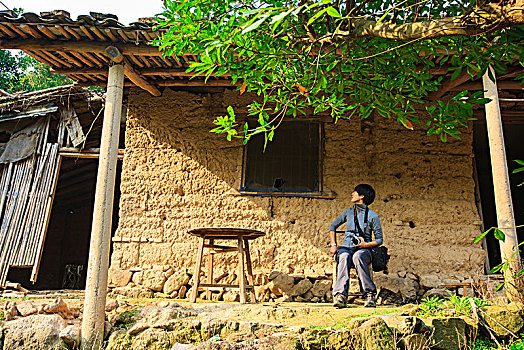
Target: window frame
{"points": [[316, 194]]}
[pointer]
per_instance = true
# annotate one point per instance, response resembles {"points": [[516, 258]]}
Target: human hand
{"points": [[362, 244], [333, 250]]}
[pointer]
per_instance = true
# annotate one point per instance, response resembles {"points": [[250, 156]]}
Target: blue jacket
{"points": [[373, 226]]}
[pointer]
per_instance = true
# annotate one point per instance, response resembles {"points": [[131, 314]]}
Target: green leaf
{"points": [[499, 235], [499, 287], [521, 162], [482, 235], [255, 24], [456, 73], [315, 16], [333, 12]]}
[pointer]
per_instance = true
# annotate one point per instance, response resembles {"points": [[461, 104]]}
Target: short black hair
{"points": [[367, 191]]}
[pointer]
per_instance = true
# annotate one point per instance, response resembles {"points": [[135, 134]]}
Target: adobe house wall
{"points": [[177, 175]]}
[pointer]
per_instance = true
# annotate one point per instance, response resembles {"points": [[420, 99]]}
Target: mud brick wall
{"points": [[177, 176]]}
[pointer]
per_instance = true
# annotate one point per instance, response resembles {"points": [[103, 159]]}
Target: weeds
{"points": [[452, 306]]}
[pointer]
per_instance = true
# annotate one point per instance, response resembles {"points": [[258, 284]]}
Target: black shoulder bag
{"points": [[379, 255]]}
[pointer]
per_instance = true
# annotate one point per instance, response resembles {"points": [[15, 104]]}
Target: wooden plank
{"points": [[210, 257], [241, 271], [72, 124], [250, 278]]}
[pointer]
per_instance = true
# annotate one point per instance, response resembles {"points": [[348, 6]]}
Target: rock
{"points": [[374, 334], [308, 296], [26, 308], [403, 286], [153, 279], [169, 272], [58, 307], [167, 303], [10, 311], [321, 287], [175, 282], [301, 287], [70, 335], [273, 288], [261, 293], [416, 341], [137, 277], [429, 281], [111, 304], [284, 299], [448, 333], [107, 329], [285, 283], [178, 346], [152, 339], [404, 324], [508, 316], [157, 317], [34, 332], [134, 292], [231, 296], [274, 274], [437, 292], [118, 277], [182, 292]]}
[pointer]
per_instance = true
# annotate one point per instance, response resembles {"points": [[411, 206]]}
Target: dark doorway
{"points": [[514, 142], [66, 248]]}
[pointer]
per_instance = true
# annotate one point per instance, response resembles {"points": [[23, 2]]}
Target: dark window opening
{"points": [[290, 164]]}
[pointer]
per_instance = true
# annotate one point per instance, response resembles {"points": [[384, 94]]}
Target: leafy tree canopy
{"points": [[21, 72], [346, 57]]}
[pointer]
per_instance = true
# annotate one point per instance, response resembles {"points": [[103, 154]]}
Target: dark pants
{"points": [[360, 259]]}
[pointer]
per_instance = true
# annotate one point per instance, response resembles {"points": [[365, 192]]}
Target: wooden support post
{"points": [[93, 321], [501, 184]]}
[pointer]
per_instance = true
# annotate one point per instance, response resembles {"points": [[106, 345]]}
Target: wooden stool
{"points": [[242, 237]]}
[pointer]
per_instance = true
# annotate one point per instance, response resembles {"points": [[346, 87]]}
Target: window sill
{"points": [[317, 195]]}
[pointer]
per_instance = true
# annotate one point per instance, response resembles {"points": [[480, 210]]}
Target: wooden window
{"points": [[291, 163]]}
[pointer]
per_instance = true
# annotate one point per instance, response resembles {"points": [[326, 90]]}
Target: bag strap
{"points": [[357, 225]]}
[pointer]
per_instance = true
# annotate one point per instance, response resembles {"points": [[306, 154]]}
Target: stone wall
{"points": [[177, 176]]}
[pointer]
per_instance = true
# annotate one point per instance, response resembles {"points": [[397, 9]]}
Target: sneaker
{"points": [[340, 301], [370, 301]]}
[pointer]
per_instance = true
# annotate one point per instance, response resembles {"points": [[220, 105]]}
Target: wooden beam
{"points": [[31, 30], [46, 31], [179, 72], [174, 83], [510, 85], [131, 73], [79, 46], [138, 80], [114, 54]]}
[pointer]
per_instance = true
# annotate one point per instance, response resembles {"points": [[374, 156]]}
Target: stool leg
{"points": [[250, 278], [196, 275], [241, 271], [210, 268]]}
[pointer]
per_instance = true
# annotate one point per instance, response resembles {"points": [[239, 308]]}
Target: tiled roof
{"points": [[77, 47]]}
